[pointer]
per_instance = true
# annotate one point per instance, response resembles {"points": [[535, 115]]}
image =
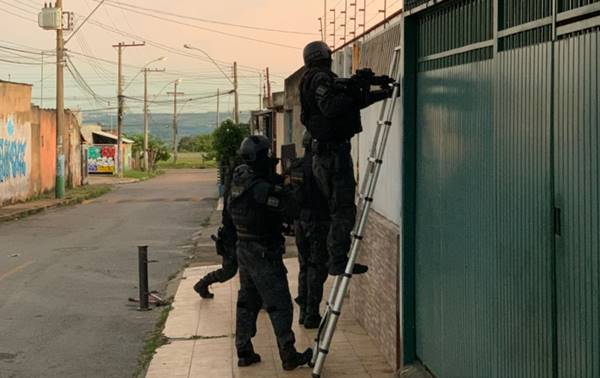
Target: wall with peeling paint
{"points": [[28, 146]]}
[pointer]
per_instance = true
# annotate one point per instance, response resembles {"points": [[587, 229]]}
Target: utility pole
{"points": [[146, 160], [218, 107], [333, 23], [269, 89], [175, 94], [237, 94], [121, 102], [60, 108], [260, 91]]}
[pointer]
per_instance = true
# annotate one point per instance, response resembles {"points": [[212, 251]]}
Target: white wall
{"points": [[387, 198]]}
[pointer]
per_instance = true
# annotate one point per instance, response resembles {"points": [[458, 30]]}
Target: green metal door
{"points": [[484, 231], [577, 162], [507, 210]]}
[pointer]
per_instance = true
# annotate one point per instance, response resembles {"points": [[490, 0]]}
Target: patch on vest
{"points": [[322, 90], [236, 191], [273, 202]]}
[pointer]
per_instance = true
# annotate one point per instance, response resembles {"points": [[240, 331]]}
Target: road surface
{"points": [[65, 276]]}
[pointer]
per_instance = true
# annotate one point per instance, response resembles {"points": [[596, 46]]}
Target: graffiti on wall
{"points": [[101, 159], [14, 159]]}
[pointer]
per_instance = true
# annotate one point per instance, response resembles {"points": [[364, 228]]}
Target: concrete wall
{"points": [[292, 103], [28, 146]]}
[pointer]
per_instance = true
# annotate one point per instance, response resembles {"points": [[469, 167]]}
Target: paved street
{"points": [[65, 276]]}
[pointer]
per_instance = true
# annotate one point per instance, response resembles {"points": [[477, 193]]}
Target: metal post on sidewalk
{"points": [[143, 270]]}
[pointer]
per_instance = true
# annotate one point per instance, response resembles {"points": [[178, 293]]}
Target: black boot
{"points": [[201, 287], [312, 321], [297, 359], [248, 358], [335, 269]]}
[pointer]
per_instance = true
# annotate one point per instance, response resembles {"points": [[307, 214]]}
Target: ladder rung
{"points": [[357, 237], [373, 160]]}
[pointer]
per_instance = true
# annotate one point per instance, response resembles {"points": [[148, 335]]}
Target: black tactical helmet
{"points": [[316, 52], [306, 139], [252, 146]]}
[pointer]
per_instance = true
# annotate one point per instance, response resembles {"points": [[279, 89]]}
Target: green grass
{"points": [[155, 340], [187, 160], [87, 192], [142, 175]]}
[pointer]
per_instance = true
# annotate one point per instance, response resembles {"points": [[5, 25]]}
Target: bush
{"points": [[157, 149], [227, 139]]}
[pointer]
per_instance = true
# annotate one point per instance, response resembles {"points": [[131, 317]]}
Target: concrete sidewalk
{"points": [[201, 334]]}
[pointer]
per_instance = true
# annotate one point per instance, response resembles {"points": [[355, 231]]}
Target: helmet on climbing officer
{"points": [[317, 53]]}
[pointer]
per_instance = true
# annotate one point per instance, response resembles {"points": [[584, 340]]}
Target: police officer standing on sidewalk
{"points": [[257, 203], [311, 239], [332, 115]]}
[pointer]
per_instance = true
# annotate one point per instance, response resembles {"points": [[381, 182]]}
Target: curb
{"points": [[36, 210]]}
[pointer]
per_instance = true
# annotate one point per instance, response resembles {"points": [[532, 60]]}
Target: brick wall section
{"points": [[374, 297]]}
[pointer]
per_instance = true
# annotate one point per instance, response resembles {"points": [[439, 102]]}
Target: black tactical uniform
{"points": [[225, 242], [311, 229], [332, 116], [256, 206]]}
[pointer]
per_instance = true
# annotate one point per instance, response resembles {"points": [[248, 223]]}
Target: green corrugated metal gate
{"points": [[503, 152]]}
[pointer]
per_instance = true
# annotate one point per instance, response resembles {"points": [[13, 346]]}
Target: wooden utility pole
{"points": [[269, 97], [146, 70], [121, 102], [237, 94], [60, 109], [175, 94], [260, 90]]}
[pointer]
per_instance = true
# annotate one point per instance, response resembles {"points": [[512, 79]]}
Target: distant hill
{"points": [[188, 124]]}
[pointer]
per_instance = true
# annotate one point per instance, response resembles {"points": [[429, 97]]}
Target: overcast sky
{"points": [[293, 22]]}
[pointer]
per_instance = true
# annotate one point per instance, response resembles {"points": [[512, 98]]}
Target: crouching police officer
{"points": [[311, 239], [225, 242], [332, 115], [257, 203]]}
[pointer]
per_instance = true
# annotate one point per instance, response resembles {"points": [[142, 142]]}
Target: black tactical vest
{"points": [[322, 128], [253, 221]]}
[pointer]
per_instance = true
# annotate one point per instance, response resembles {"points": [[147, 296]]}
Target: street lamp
{"points": [[190, 47]]}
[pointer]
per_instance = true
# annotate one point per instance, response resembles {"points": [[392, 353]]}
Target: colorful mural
{"points": [[15, 158], [101, 159]]}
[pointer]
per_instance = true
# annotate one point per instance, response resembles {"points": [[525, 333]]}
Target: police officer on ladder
{"points": [[257, 204], [311, 230], [332, 115]]}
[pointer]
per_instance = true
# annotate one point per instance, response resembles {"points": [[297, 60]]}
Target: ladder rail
{"points": [[369, 184]]}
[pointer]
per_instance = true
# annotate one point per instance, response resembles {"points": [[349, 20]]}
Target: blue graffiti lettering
{"points": [[12, 159]]}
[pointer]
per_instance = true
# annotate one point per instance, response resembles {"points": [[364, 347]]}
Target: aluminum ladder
{"points": [[341, 283]]}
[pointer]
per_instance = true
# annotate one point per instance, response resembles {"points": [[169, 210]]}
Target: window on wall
{"points": [[288, 127]]}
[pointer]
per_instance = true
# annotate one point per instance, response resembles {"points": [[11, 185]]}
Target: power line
{"points": [[211, 21], [204, 28]]}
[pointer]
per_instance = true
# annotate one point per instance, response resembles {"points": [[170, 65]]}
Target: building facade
{"points": [[28, 146]]}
